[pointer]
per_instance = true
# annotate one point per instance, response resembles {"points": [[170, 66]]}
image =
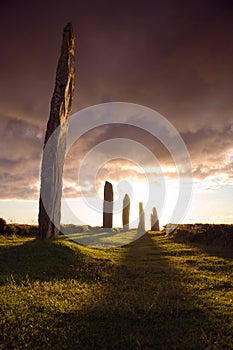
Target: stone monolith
{"points": [[125, 212], [108, 205], [141, 223], [154, 220], [55, 146]]}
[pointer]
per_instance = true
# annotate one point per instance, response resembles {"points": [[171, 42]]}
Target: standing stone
{"points": [[53, 160], [108, 205], [154, 220], [141, 223], [125, 213]]}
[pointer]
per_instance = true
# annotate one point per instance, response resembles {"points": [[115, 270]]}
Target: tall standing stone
{"points": [[53, 160], [141, 223], [125, 212], [154, 220], [108, 205]]}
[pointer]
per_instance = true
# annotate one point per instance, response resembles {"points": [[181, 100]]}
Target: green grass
{"points": [[151, 294]]}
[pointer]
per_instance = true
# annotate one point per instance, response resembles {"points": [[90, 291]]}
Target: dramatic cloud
{"points": [[172, 56]]}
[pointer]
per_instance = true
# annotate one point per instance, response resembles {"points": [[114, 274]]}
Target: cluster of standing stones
{"points": [[53, 161], [108, 212]]}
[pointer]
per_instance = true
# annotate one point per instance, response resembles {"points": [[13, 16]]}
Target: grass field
{"points": [[151, 294]]}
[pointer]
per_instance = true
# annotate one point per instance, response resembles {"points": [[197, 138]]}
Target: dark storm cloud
{"points": [[20, 140], [21, 145], [210, 146], [173, 56]]}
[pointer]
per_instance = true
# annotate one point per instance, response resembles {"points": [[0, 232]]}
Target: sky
{"points": [[172, 56]]}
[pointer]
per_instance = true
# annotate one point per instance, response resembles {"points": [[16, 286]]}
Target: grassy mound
{"points": [[207, 234], [151, 294]]}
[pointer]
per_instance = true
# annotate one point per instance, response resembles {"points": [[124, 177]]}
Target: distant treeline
{"points": [[207, 234], [18, 229]]}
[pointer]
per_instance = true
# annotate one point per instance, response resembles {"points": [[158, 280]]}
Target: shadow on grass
{"points": [[145, 306], [221, 252]]}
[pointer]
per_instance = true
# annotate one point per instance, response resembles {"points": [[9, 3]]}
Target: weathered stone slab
{"points": [[154, 220], [141, 223], [53, 161], [125, 212], [108, 205]]}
